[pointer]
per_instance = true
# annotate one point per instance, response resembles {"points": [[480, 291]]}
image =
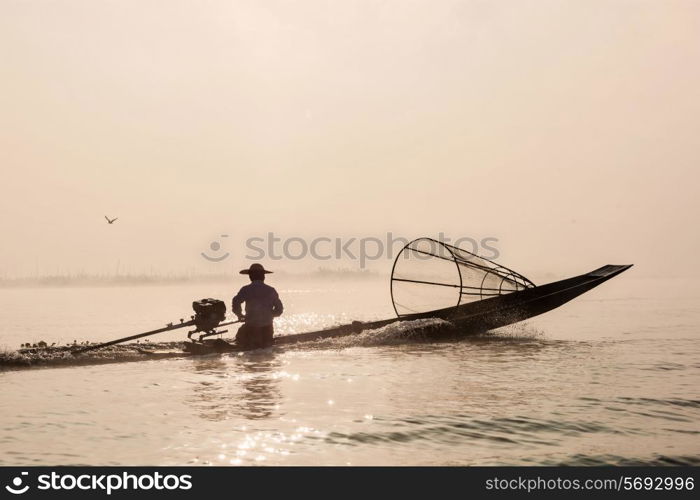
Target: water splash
{"points": [[62, 356], [517, 331], [401, 332]]}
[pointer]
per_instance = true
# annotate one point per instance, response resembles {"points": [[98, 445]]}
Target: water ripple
{"points": [[444, 430]]}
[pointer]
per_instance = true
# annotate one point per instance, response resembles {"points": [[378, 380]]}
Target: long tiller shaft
{"points": [[133, 337]]}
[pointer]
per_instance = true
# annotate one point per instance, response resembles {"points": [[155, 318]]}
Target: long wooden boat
{"points": [[468, 318]]}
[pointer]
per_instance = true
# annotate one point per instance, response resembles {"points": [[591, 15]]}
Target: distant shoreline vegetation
{"points": [[86, 280]]}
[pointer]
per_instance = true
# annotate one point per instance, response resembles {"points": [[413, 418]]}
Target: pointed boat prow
{"points": [[610, 270]]}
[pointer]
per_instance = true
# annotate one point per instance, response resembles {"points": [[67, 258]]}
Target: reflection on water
{"points": [[261, 394], [596, 382], [246, 388], [476, 401]]}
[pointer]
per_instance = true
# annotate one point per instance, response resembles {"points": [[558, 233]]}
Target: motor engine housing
{"points": [[208, 313]]}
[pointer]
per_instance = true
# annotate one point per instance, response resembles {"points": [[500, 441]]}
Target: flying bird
{"points": [[110, 221]]}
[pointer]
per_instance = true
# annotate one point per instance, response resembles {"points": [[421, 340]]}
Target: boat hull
{"points": [[503, 310]]}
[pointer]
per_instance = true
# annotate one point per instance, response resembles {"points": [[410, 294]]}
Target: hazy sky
{"points": [[566, 129]]}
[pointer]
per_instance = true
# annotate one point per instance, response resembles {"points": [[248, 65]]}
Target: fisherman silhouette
{"points": [[262, 305]]}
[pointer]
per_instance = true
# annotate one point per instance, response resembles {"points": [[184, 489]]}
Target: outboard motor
{"points": [[208, 313]]}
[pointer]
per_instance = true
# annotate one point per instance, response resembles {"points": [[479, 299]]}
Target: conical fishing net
{"points": [[430, 275]]}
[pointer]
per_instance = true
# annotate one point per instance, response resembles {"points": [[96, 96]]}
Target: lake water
{"points": [[610, 378]]}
